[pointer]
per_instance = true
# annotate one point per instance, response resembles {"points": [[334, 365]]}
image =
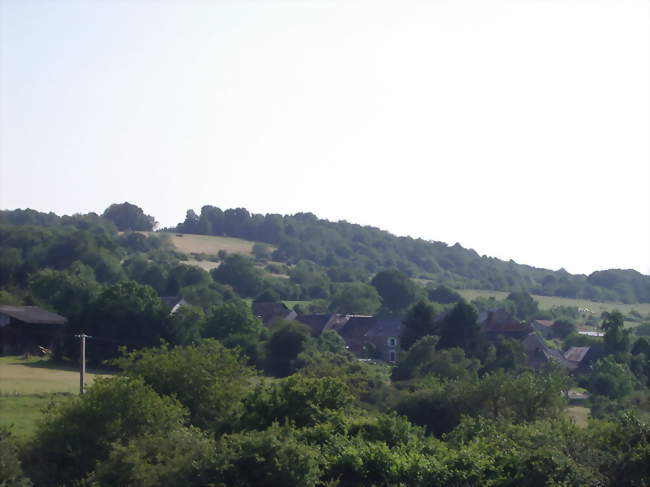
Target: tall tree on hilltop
{"points": [[126, 216]]}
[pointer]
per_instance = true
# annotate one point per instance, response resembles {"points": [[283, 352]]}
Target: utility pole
{"points": [[82, 364]]}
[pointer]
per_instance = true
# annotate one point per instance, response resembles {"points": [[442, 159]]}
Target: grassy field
{"points": [[580, 414], [206, 265], [208, 244], [21, 413], [29, 386], [39, 376], [548, 302]]}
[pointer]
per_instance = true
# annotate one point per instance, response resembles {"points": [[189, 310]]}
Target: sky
{"points": [[517, 128]]}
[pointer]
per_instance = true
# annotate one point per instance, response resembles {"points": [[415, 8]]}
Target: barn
{"points": [[23, 329]]}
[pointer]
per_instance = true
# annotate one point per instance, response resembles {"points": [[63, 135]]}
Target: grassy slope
{"points": [[29, 386], [547, 302], [38, 376], [205, 244], [208, 244]]}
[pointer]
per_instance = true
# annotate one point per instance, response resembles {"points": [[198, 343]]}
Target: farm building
{"points": [[539, 354], [269, 313], [544, 328], [23, 329], [372, 336], [366, 336], [499, 323], [584, 357], [320, 323]]}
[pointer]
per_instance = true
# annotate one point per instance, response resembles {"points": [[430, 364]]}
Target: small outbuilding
{"points": [[26, 329]]}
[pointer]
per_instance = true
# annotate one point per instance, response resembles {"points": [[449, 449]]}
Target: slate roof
{"points": [[32, 314], [270, 312], [501, 323], [319, 323], [533, 342], [556, 356], [385, 326], [576, 354], [544, 355], [546, 323], [356, 327]]}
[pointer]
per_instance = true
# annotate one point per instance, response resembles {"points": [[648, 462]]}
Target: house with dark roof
{"points": [[26, 329], [372, 336], [539, 353], [584, 357], [269, 313], [320, 323], [499, 323], [544, 328], [576, 354]]}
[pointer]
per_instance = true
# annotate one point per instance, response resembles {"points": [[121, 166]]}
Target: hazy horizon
{"points": [[519, 129]]}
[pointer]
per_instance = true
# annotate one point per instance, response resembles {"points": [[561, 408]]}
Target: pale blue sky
{"points": [[517, 128]]}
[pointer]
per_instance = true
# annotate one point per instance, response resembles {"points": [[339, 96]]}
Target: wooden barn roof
{"points": [[32, 314]]}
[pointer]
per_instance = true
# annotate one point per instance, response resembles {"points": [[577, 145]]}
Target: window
{"points": [[392, 342]]}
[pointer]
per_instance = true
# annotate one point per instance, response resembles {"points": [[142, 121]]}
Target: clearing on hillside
{"points": [[208, 244]]}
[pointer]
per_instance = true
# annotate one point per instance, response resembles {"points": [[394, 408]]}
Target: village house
{"points": [[539, 353], [499, 323], [544, 328], [28, 329], [366, 336], [584, 357], [321, 322], [372, 336], [269, 313]]}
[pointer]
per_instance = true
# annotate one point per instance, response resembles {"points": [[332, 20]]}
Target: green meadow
{"points": [[549, 302], [28, 386]]}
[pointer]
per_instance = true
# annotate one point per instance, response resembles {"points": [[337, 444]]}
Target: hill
{"points": [[346, 252], [355, 252]]}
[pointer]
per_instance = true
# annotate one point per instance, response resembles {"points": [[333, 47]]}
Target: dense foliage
{"points": [[206, 395], [344, 249], [338, 252], [197, 416]]}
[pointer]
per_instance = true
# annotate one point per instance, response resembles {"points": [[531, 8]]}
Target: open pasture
{"points": [[208, 244], [39, 376], [548, 302], [28, 386]]}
